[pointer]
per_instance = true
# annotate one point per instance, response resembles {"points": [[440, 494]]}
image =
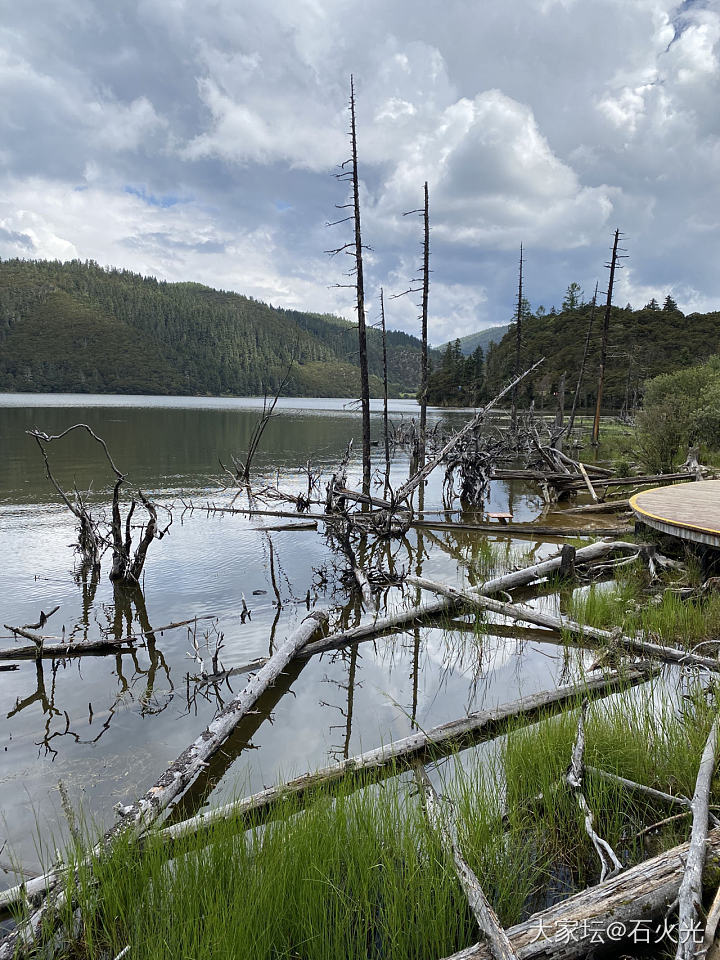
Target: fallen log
{"points": [[523, 529], [61, 651], [527, 614], [485, 917], [431, 744], [422, 745], [424, 611], [625, 905], [175, 780], [588, 484], [690, 892], [610, 506]]}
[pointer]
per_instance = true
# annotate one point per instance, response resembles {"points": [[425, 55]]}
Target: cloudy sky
{"points": [[197, 140]]}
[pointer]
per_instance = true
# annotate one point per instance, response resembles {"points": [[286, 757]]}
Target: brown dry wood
{"points": [[432, 743], [690, 892], [485, 917], [174, 781], [527, 614], [566, 930]]}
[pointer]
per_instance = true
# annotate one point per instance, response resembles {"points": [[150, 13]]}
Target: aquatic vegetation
{"points": [[357, 872]]}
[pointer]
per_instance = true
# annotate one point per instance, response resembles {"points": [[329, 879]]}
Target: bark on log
{"points": [[485, 917], [690, 893], [433, 743], [404, 492], [60, 651], [572, 929], [188, 766], [613, 506], [175, 779], [606, 637], [523, 529]]}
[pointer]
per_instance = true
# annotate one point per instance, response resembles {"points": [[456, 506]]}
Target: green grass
{"points": [[358, 872], [671, 620]]}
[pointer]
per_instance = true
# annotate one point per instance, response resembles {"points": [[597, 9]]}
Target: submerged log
{"points": [[422, 745], [627, 904], [610, 638], [523, 529], [61, 651], [485, 917], [610, 506], [174, 781]]}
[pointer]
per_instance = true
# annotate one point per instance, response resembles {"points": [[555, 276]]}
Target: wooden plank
{"points": [[690, 511]]}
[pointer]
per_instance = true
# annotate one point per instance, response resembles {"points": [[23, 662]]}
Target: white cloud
{"points": [[522, 130]]}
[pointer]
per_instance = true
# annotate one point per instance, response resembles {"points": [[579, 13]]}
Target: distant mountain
{"points": [[483, 338], [77, 327]]}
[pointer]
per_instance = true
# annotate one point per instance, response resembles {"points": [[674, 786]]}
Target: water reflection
{"points": [[228, 590]]}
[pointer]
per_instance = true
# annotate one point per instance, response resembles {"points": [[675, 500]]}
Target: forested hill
{"points": [[641, 344], [76, 327]]}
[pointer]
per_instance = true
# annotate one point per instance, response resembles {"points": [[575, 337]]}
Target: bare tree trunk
{"points": [[518, 344], [424, 333], [485, 917], [581, 374], [690, 893], [604, 341], [359, 283], [386, 489]]}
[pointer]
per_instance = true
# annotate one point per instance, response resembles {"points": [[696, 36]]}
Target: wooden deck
{"points": [[689, 510]]}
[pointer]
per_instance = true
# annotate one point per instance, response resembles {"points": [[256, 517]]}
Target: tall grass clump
{"points": [[357, 872], [668, 618], [354, 875]]}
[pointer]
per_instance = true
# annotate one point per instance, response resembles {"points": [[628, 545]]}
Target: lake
{"points": [[105, 727]]}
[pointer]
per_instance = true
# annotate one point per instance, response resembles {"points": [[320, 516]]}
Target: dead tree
{"points": [[424, 331], [613, 265], [423, 289], [242, 468], [581, 374], [518, 344], [355, 249], [126, 567], [386, 435]]}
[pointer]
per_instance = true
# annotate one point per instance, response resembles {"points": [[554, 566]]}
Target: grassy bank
{"points": [[359, 873]]}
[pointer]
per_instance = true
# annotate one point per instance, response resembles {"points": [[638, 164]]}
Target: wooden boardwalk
{"points": [[688, 510]]}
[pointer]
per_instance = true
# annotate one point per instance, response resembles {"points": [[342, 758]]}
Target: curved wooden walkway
{"points": [[690, 511]]}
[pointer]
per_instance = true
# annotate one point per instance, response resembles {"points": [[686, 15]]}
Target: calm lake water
{"points": [[107, 726]]}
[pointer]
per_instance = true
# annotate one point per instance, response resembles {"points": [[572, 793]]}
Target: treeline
{"points": [[78, 327], [645, 343]]}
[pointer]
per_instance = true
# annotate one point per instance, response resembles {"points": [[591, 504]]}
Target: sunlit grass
{"points": [[357, 872]]}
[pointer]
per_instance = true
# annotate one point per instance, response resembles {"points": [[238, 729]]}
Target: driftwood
{"points": [[433, 743], [59, 651], [485, 917], [609, 863], [611, 506], [588, 484], [188, 766], [563, 624], [690, 893], [406, 490], [627, 904], [430, 744], [651, 792], [524, 529], [179, 775]]}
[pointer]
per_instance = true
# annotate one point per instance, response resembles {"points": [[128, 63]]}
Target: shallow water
{"points": [[106, 726]]}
